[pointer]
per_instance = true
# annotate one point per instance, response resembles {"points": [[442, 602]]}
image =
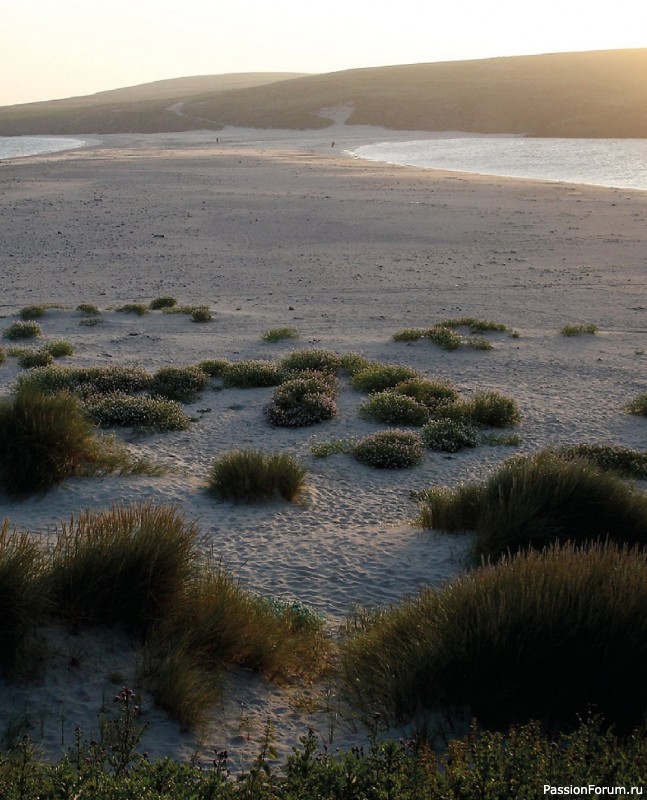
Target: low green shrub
{"points": [[578, 330], [23, 601], [179, 383], [136, 411], [532, 638], [162, 302], [251, 475], [610, 458], [449, 435], [431, 394], [379, 377], [59, 348], [88, 309], [303, 401], [201, 314], [394, 408], [638, 406], [392, 449], [129, 565], [251, 374], [280, 334], [445, 337], [134, 308], [475, 325], [352, 363], [43, 440], [86, 380], [325, 449], [35, 358], [22, 330], [214, 367], [32, 312], [483, 408], [408, 335]]}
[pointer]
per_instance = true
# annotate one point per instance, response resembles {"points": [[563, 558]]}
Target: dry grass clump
{"points": [[578, 330], [23, 604], [128, 565], [303, 401], [251, 475], [280, 334], [162, 302], [533, 501], [544, 636], [22, 330], [251, 374], [43, 440], [32, 312], [218, 623], [392, 449]]}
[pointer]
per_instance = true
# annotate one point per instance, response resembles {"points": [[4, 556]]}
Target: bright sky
{"points": [[62, 48]]}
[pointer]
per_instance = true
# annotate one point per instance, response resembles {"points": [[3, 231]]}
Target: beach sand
{"points": [[282, 228]]}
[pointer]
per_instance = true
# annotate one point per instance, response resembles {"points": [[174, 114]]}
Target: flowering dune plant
{"points": [[303, 401]]}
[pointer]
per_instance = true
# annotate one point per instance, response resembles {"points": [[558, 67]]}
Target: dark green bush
{"points": [[22, 330], [311, 360], [134, 308], [431, 394], [543, 636], [449, 435], [251, 475], [162, 302], [32, 312], [35, 358], [59, 348]]}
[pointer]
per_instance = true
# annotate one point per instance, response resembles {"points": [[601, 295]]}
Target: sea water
{"points": [[599, 162], [21, 146]]}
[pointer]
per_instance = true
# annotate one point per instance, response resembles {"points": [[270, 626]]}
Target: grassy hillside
{"points": [[594, 94]]}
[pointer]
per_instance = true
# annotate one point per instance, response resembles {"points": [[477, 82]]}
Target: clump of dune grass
{"points": [[534, 501], [59, 348], [611, 458], [449, 435], [252, 475], [179, 383], [145, 413], [125, 566], [87, 380], [352, 363], [35, 358], [303, 401], [32, 312], [332, 447], [408, 335], [217, 624], [201, 314], [544, 636], [162, 302], [379, 377], [393, 408], [214, 367], [251, 374], [390, 449], [430, 393], [485, 408], [3, 355], [43, 440], [280, 334], [23, 601], [311, 360], [638, 406], [475, 325], [139, 309], [578, 330], [88, 309], [22, 330]]}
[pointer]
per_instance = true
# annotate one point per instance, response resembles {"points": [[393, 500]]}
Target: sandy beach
{"points": [[283, 228]]}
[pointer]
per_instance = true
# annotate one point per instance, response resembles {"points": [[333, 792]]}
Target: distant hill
{"points": [[594, 94]]}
